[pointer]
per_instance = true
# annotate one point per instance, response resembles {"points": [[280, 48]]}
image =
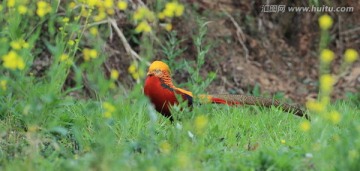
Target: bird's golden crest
{"points": [[159, 65]]}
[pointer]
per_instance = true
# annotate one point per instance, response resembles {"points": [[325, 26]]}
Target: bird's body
{"points": [[163, 94]]}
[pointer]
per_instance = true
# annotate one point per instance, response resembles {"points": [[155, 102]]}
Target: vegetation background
{"points": [[72, 73]]}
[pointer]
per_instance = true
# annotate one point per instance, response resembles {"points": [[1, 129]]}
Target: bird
{"points": [[163, 94]]}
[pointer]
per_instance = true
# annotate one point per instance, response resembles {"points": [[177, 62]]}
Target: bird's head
{"points": [[159, 69]]}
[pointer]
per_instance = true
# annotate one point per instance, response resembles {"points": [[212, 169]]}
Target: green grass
{"points": [[73, 134]]}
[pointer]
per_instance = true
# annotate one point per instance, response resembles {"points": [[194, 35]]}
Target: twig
{"points": [[96, 23], [350, 30], [341, 46], [240, 34], [127, 46], [141, 3]]}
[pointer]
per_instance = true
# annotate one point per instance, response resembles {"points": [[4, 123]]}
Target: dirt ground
{"points": [[276, 51]]}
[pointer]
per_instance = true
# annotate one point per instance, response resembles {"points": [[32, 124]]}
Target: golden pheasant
{"points": [[163, 94]]}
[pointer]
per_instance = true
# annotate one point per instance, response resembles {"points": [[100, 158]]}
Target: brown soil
{"points": [[282, 47]]}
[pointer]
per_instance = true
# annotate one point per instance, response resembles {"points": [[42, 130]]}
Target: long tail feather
{"points": [[259, 101]]}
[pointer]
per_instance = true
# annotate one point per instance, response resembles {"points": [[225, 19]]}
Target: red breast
{"points": [[160, 96]]}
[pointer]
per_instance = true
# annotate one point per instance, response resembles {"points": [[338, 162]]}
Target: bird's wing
{"points": [[182, 91], [186, 95]]}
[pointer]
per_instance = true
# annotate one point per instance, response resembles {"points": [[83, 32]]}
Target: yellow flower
{"points": [[143, 13], [86, 54], [135, 72], [351, 55], [135, 75], [138, 74], [84, 12], [107, 115], [109, 109], [10, 3], [335, 117], [13, 61], [25, 45], [65, 20], [132, 68], [93, 53], [325, 22], [161, 15], [15, 45], [327, 56], [64, 57], [100, 16], [22, 9], [169, 9], [122, 5], [89, 54], [3, 85], [326, 83], [43, 8], [315, 106], [283, 141], [110, 11], [165, 147], [114, 75], [71, 42], [168, 26], [91, 3], [179, 10], [143, 27], [18, 44], [173, 9], [305, 126], [100, 4], [94, 31], [140, 13], [200, 123], [72, 5], [108, 3]]}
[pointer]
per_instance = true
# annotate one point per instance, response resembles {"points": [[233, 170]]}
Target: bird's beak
{"points": [[149, 74]]}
